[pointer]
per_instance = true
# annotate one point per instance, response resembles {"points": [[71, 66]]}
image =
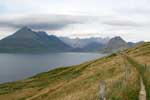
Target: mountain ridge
{"points": [[116, 43], [26, 40]]}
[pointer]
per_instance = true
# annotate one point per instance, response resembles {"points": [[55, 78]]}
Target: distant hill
{"points": [[80, 43], [86, 44], [90, 47], [118, 44], [93, 46], [27, 41], [115, 44]]}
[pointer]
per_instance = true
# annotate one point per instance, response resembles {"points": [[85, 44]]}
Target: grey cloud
{"points": [[85, 34], [122, 23], [60, 22], [45, 22], [144, 11]]}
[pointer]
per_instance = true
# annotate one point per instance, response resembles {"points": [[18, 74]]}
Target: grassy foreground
{"points": [[82, 82], [141, 61]]}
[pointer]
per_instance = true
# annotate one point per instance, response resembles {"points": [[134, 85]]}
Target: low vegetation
{"points": [[140, 58]]}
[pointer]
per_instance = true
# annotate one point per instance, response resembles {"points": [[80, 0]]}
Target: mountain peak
{"points": [[25, 28], [25, 32], [115, 44], [117, 38]]}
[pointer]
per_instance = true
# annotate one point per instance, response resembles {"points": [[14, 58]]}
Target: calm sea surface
{"points": [[19, 66]]}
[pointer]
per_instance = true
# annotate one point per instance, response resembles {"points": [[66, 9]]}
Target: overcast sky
{"points": [[78, 18]]}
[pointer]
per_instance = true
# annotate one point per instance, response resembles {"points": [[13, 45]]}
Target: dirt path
{"points": [[44, 91], [142, 93]]}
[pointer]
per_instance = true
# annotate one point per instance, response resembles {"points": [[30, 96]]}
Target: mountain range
{"points": [[103, 45], [80, 43], [26, 40], [85, 44]]}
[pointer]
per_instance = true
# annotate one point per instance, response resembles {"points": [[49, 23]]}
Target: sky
{"points": [[129, 19]]}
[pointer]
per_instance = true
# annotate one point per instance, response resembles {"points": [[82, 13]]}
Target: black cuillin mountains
{"points": [[27, 41]]}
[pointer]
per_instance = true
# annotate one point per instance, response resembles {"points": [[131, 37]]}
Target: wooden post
{"points": [[126, 70], [145, 67], [102, 91]]}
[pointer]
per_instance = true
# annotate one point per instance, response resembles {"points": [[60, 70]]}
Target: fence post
{"points": [[102, 91], [145, 67]]}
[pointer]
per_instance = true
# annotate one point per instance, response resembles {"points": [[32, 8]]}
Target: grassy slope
{"points": [[81, 82], [140, 58]]}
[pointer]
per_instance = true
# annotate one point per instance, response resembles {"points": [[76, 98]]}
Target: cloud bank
{"points": [[42, 22], [78, 18]]}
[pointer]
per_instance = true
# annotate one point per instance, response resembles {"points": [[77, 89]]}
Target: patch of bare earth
{"points": [[142, 94]]}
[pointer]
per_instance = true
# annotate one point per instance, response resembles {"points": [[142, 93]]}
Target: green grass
{"points": [[144, 73], [82, 78]]}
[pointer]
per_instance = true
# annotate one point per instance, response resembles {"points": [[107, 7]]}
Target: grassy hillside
{"points": [[82, 82], [140, 58]]}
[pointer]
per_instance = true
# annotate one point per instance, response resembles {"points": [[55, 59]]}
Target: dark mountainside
{"points": [[90, 47], [27, 41], [115, 44], [86, 44], [80, 43]]}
